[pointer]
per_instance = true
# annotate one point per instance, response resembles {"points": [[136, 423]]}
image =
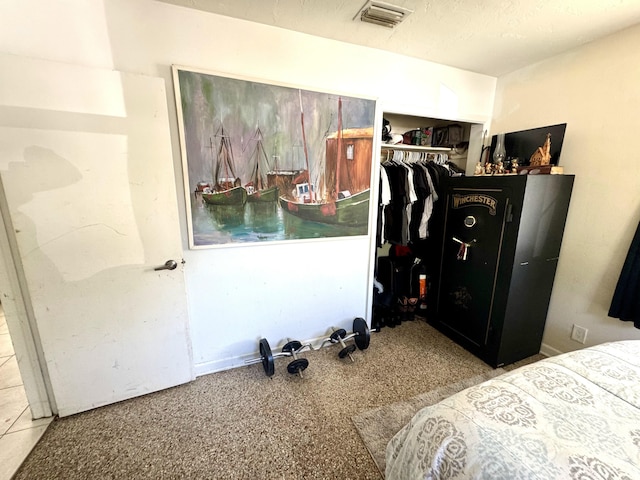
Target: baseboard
{"points": [[549, 351], [221, 365]]}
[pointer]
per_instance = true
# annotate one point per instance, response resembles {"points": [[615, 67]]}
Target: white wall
{"points": [[239, 294], [596, 91]]}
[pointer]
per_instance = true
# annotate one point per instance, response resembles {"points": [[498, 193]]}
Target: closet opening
{"points": [[416, 153]]}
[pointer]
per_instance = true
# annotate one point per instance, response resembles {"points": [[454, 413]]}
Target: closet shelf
{"points": [[414, 148]]}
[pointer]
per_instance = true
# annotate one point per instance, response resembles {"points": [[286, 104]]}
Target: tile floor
{"points": [[18, 433]]}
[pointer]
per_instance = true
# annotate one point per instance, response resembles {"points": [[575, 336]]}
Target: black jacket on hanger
{"points": [[625, 304]]}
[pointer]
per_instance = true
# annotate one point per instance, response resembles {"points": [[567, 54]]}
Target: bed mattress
{"points": [[573, 416]]}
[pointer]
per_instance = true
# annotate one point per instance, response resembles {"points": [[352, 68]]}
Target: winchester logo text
{"points": [[460, 201]]}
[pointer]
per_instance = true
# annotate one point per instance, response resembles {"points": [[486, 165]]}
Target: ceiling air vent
{"points": [[381, 13]]}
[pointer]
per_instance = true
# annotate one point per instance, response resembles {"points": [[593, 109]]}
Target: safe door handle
{"points": [[168, 265]]}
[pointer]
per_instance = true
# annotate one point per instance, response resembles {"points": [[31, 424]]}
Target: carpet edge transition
{"points": [[378, 425]]}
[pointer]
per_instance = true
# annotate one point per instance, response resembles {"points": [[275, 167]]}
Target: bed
{"points": [[573, 416]]}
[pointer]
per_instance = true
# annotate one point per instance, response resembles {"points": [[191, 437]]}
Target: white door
{"points": [[86, 163]]}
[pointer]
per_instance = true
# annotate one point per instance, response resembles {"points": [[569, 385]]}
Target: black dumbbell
{"points": [[293, 348], [360, 335], [338, 336]]}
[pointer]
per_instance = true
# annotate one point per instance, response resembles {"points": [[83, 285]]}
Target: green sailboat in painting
{"points": [[346, 180], [350, 211], [227, 188], [258, 190]]}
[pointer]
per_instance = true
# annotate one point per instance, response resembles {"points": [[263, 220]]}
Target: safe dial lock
{"points": [[469, 221]]}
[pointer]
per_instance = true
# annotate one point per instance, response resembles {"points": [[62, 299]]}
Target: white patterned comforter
{"points": [[574, 416]]}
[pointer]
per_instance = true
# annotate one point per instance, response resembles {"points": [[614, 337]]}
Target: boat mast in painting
{"points": [[335, 207], [258, 189], [227, 190]]}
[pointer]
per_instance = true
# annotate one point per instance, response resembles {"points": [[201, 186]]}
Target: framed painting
{"points": [[265, 162]]}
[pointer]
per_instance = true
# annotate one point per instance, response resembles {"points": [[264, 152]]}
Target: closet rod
{"points": [[417, 148]]}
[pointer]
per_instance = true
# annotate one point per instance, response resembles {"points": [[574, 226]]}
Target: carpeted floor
{"points": [[242, 424], [378, 425]]}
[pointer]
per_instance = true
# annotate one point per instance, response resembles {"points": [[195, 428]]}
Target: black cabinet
{"points": [[498, 245]]}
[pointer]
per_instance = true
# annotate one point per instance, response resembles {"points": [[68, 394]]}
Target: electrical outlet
{"points": [[579, 334]]}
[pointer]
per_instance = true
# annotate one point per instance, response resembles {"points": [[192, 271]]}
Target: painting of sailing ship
{"points": [[258, 189], [264, 162], [227, 189], [346, 190]]}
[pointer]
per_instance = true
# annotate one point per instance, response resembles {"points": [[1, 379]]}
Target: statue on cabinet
{"points": [[542, 155]]}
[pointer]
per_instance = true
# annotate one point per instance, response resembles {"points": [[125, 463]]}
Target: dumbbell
{"points": [[338, 336], [293, 348], [360, 335]]}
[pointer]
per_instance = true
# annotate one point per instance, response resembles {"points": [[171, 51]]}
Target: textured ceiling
{"points": [[493, 37]]}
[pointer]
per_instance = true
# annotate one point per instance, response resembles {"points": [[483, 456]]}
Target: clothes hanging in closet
{"points": [[625, 304], [408, 190]]}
